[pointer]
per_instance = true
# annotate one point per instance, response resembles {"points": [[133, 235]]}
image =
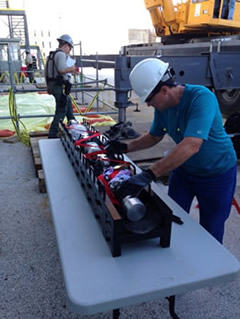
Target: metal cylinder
{"points": [[78, 131], [83, 130], [104, 160], [92, 147], [134, 208]]}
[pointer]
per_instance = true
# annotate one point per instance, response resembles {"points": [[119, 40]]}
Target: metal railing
{"points": [[19, 84]]}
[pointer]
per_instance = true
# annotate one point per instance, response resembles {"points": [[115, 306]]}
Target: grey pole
{"points": [[10, 68]]}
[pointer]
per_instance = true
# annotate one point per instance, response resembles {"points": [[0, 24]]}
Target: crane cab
{"points": [[194, 16]]}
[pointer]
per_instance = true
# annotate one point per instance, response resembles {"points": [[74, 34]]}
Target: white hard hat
{"points": [[146, 75], [66, 38]]}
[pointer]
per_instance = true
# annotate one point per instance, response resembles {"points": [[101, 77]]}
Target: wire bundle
{"points": [[22, 134]]}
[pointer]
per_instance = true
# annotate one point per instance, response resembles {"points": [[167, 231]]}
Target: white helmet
{"points": [[66, 38], [145, 76]]}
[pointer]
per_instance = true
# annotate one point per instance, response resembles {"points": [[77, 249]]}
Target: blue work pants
{"points": [[214, 195]]}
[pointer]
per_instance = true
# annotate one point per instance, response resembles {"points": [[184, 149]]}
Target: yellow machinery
{"points": [[191, 16], [198, 37]]}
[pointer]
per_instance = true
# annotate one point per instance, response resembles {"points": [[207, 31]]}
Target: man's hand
{"points": [[72, 69], [135, 184], [114, 146]]}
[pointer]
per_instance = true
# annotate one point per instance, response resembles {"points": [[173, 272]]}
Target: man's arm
{"points": [[71, 69], [180, 153], [144, 141], [60, 63], [28, 60]]}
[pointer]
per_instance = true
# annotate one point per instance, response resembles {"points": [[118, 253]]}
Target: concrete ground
{"points": [[31, 282]]}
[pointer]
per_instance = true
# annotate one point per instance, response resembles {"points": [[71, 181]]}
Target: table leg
{"points": [[116, 313], [171, 301]]}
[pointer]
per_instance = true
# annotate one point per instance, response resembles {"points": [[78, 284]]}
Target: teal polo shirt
{"points": [[198, 115]]}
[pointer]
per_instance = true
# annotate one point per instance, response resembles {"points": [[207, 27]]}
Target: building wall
{"points": [[45, 39], [136, 36]]}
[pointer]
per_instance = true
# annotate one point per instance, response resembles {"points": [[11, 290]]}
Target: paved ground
{"points": [[31, 283]]}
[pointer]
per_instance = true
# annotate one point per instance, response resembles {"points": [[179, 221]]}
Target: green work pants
{"points": [[63, 107]]}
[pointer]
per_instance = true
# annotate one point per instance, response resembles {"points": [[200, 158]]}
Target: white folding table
{"points": [[97, 282]]}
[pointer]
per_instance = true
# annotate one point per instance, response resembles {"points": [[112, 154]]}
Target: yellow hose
{"points": [[22, 134], [89, 106], [75, 104]]}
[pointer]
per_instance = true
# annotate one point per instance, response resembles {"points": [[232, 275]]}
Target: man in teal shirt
{"points": [[203, 162], [198, 115]]}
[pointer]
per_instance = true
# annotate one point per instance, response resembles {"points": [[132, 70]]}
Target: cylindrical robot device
{"points": [[91, 147], [78, 131], [134, 208]]}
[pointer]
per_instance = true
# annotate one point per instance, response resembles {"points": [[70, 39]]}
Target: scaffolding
{"points": [[16, 22], [82, 86]]}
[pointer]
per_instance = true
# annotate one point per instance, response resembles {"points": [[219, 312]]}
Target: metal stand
{"points": [[171, 300], [137, 109], [172, 312], [122, 130]]}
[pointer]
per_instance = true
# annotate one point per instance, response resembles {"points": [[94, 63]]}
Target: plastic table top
{"points": [[97, 282]]}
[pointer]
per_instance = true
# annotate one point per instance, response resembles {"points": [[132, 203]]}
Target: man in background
{"points": [[29, 64], [57, 75]]}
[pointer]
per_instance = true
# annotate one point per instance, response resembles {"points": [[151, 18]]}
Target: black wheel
{"points": [[229, 101]]}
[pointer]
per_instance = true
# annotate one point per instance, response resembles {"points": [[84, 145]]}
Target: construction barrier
{"points": [[34, 105]]}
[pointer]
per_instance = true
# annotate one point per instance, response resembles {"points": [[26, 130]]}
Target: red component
{"points": [[80, 142], [107, 188], [235, 203], [23, 69], [6, 133]]}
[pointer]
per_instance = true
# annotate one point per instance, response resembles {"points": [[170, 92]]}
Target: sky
{"points": [[101, 26]]}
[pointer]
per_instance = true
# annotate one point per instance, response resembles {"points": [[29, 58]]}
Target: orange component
{"points": [[6, 133]]}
